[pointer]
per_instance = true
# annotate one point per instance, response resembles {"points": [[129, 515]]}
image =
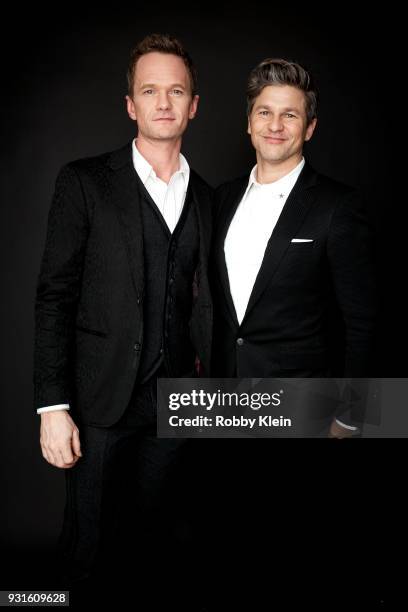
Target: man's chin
{"points": [[273, 159], [273, 153], [166, 135]]}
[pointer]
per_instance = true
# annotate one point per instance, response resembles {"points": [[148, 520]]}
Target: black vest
{"points": [[170, 261]]}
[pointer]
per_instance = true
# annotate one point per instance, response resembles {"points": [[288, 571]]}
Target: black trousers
{"points": [[124, 517]]}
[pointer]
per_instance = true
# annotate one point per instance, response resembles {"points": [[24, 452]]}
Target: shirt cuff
{"points": [[346, 426], [51, 408]]}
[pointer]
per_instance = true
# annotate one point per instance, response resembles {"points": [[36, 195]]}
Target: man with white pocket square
{"points": [[287, 241]]}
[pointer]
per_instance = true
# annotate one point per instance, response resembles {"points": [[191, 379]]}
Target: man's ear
{"points": [[130, 105], [193, 107], [310, 129], [249, 127]]}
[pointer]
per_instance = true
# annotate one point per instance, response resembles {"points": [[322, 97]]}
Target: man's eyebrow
{"points": [[144, 85], [283, 110]]}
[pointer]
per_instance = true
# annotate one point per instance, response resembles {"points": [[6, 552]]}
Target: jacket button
{"points": [[136, 346], [240, 341]]}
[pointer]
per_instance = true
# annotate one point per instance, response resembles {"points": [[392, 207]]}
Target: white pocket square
{"points": [[302, 240]]}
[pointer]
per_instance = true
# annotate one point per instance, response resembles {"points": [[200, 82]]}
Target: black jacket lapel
{"points": [[296, 207], [126, 197], [203, 204]]}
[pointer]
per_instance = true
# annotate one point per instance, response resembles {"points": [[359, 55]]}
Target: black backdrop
{"points": [[63, 78]]}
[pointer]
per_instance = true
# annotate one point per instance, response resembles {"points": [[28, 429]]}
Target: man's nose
{"points": [[163, 101], [275, 124]]}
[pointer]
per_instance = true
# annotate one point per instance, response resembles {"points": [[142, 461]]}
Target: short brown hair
{"points": [[282, 72], [160, 43]]}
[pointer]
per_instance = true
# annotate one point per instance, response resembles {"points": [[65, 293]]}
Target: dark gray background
{"points": [[63, 77]]}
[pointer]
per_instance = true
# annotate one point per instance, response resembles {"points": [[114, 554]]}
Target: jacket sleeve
{"points": [[351, 259], [58, 290], [350, 253]]}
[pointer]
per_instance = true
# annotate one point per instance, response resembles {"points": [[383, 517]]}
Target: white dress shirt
{"points": [[250, 230], [169, 199]]}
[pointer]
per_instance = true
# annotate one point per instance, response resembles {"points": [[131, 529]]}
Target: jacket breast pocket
{"points": [[302, 246], [300, 256]]}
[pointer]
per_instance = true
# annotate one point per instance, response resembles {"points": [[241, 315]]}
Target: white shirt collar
{"points": [[282, 186], [146, 171]]}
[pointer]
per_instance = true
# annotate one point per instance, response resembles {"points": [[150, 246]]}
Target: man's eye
{"points": [[264, 113], [290, 115], [148, 91], [178, 92]]}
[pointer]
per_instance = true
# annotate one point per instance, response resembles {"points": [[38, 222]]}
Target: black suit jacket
{"points": [[89, 303], [284, 331]]}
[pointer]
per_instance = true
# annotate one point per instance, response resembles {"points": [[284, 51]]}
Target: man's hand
{"points": [[337, 431], [59, 439]]}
